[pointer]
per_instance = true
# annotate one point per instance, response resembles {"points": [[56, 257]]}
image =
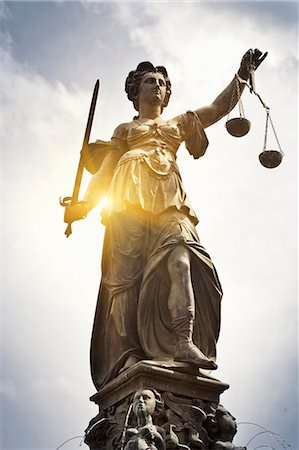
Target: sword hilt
{"points": [[66, 201]]}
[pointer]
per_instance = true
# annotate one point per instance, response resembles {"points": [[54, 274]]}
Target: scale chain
{"points": [[236, 92], [268, 118], [275, 134], [266, 129], [241, 109], [231, 102], [240, 103]]}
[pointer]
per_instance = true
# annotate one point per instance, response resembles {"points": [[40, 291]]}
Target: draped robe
{"points": [[148, 214]]}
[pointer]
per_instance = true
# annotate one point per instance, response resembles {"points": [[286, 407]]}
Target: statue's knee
{"points": [[179, 262]]}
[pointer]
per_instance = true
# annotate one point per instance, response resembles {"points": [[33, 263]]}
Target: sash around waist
{"points": [[159, 159]]}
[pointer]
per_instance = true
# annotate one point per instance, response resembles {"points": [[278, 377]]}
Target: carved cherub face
{"points": [[145, 400], [152, 89], [226, 422]]}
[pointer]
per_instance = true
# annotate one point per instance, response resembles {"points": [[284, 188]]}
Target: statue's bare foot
{"points": [[188, 352], [131, 360]]}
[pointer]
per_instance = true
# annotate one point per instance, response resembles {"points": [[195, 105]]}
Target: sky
{"points": [[51, 55]]}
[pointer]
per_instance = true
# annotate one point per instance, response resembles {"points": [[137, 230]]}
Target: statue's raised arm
{"points": [[228, 98]]}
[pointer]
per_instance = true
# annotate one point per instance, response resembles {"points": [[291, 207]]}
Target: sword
{"points": [[74, 198]]}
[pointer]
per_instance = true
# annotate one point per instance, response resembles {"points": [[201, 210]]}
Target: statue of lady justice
{"points": [[160, 296]]}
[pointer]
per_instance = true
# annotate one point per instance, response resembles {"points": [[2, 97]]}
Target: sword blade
{"points": [[79, 174]]}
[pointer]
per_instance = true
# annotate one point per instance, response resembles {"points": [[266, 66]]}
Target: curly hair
{"points": [[134, 78]]}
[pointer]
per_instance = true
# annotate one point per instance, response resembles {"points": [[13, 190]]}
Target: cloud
{"points": [[8, 389]]}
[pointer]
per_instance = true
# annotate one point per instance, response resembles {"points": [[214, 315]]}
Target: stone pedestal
{"points": [[177, 378], [189, 397]]}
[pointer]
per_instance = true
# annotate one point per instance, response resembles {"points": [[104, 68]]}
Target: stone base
{"points": [[185, 412], [177, 378]]}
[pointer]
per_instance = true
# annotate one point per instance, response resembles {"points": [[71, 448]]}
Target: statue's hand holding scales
{"points": [[251, 61]]}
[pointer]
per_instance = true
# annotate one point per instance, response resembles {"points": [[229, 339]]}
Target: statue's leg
{"points": [[181, 305]]}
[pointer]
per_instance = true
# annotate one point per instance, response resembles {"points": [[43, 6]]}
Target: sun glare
{"points": [[104, 202]]}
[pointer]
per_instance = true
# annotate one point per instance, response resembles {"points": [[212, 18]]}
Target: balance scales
{"points": [[240, 126]]}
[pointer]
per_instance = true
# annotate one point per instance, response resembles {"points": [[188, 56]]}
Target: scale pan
{"points": [[238, 127], [270, 158]]}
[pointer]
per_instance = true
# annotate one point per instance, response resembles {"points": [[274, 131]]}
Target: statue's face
{"points": [[227, 423], [152, 89], [144, 400]]}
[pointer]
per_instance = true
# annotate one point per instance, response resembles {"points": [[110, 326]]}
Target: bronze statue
{"points": [[160, 295]]}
